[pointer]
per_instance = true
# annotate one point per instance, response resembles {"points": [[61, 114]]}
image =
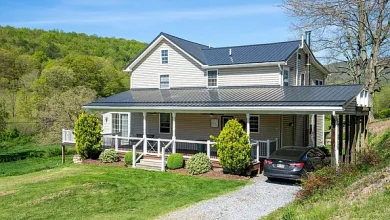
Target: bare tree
{"points": [[352, 31]]}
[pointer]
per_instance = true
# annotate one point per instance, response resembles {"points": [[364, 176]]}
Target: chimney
{"points": [[230, 51], [308, 33]]}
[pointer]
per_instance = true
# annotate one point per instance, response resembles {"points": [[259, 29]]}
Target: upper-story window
{"points": [[285, 77], [299, 56], [212, 78], [319, 82], [164, 81], [164, 56]]}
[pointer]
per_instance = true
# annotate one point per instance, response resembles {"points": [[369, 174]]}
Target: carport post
{"points": [[144, 133], [336, 141], [248, 127]]}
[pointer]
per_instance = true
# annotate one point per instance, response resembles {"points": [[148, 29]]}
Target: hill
{"points": [[46, 76]]}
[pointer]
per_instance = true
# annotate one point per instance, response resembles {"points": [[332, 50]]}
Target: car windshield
{"points": [[291, 153]]}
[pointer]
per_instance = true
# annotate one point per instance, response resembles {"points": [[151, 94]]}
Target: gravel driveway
{"points": [[250, 202]]}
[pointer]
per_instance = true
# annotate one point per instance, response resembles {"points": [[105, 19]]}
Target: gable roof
{"points": [[335, 96], [210, 56]]}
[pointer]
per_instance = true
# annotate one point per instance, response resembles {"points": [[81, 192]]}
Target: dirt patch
{"points": [[4, 193], [378, 127], [214, 174], [375, 182], [97, 162], [47, 197]]}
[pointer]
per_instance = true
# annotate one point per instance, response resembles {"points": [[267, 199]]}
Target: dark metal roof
{"points": [[336, 95], [257, 53]]}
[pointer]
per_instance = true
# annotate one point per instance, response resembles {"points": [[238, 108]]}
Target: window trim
{"points": [[317, 82], [258, 124], [159, 80], [120, 122], [161, 60], [208, 78], [159, 123], [282, 76], [303, 76]]}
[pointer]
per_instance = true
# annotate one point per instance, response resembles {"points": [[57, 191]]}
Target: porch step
{"points": [[149, 164]]}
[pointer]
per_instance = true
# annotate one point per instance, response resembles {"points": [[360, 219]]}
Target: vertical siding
{"points": [[249, 76], [197, 126], [182, 70], [107, 125], [288, 131], [291, 63]]}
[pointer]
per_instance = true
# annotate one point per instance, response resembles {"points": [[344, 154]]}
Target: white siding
{"points": [[315, 73], [183, 71], [299, 130], [197, 126], [288, 130], [107, 123], [249, 76]]}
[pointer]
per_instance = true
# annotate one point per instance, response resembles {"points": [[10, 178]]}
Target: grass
{"points": [[31, 165], [103, 192]]}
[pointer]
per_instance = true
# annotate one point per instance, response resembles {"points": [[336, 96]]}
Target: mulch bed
{"points": [[213, 174]]}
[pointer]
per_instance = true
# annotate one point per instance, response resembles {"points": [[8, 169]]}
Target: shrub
{"points": [[233, 147], [87, 131], [109, 156], [175, 161], [324, 179], [129, 157], [199, 163]]}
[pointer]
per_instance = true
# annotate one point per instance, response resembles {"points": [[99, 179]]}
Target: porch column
{"points": [[174, 132], [144, 133], [340, 135], [336, 140], [248, 127]]}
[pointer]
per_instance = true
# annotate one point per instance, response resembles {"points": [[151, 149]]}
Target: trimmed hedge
{"points": [[109, 156], [129, 157], [175, 161], [198, 164]]}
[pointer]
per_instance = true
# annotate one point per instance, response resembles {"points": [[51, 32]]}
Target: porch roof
{"points": [[232, 97]]}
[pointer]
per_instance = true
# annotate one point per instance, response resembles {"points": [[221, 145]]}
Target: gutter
{"points": [[244, 65]]}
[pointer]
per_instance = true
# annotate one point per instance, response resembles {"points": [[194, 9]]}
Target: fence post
{"points": [[163, 159], [134, 156], [258, 152], [116, 142], [208, 148], [268, 148], [277, 143], [158, 146]]}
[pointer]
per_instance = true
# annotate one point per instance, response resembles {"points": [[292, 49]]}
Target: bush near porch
{"points": [[233, 147], [175, 161], [88, 136]]}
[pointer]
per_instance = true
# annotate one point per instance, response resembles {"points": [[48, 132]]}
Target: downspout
{"points": [[280, 75], [296, 69]]}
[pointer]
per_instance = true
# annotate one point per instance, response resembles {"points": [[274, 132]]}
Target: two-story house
{"points": [[182, 92]]}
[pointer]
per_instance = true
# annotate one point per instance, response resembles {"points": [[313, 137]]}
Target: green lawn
{"points": [[101, 192]]}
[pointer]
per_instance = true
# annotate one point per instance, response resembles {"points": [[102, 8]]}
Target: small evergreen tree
{"points": [[233, 147], [88, 136]]}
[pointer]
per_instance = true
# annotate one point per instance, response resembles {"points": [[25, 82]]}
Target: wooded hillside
{"points": [[46, 76]]}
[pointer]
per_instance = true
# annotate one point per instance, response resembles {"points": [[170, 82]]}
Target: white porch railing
{"points": [[162, 147]]}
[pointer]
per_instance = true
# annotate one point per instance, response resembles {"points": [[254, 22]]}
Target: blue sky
{"points": [[215, 23]]}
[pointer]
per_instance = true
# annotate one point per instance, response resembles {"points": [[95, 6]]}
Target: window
{"points": [[254, 124], [165, 122], [164, 81], [120, 124], [212, 78], [319, 82], [285, 77], [302, 79], [164, 56], [299, 56]]}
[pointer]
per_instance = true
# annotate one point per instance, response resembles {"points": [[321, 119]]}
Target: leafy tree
{"points": [[3, 117], [233, 147], [88, 135]]}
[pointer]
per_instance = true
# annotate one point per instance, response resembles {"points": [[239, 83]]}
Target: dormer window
{"points": [[164, 56], [164, 81], [212, 78], [319, 82]]}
